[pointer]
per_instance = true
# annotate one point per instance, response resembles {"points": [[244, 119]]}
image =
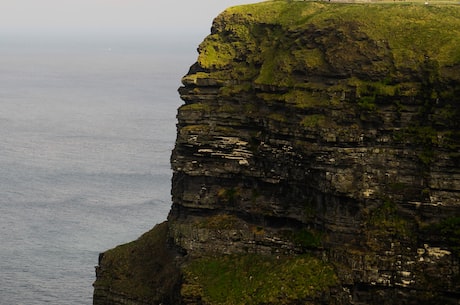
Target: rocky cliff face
{"points": [[316, 162]]}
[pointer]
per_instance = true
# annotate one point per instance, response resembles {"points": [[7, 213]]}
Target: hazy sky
{"points": [[101, 16]]}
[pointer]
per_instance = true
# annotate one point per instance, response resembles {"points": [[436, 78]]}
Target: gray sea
{"points": [[87, 127]]}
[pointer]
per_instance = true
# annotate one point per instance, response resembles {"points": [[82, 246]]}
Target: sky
{"points": [[110, 16]]}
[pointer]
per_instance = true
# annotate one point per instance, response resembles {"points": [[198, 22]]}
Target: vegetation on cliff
{"points": [[257, 279], [316, 161], [376, 54], [242, 46], [142, 271]]}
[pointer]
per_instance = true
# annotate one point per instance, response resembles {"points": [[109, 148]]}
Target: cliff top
{"points": [[412, 31]]}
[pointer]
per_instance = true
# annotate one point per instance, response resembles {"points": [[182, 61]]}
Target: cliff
{"points": [[316, 162]]}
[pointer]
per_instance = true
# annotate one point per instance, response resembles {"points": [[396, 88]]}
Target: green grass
{"points": [[251, 39], [255, 279]]}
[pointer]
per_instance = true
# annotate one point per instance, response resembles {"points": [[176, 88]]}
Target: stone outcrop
{"points": [[321, 140]]}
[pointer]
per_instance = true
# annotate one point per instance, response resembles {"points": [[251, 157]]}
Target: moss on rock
{"points": [[331, 37], [255, 279]]}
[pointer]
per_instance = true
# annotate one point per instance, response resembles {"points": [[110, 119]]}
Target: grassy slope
{"points": [[413, 31], [255, 279]]}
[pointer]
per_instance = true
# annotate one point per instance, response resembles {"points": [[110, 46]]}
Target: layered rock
{"points": [[317, 136]]}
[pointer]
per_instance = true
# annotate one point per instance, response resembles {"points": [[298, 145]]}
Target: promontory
{"points": [[317, 161]]}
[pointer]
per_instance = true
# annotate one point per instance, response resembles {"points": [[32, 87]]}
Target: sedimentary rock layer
{"points": [[313, 135]]}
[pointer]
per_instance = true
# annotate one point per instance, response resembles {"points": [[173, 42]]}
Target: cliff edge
{"points": [[317, 161]]}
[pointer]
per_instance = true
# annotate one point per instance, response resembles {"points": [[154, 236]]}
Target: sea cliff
{"points": [[316, 162]]}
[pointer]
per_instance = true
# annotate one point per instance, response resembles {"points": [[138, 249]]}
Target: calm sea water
{"points": [[87, 128]]}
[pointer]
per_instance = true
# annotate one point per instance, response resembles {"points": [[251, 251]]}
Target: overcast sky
{"points": [[102, 16]]}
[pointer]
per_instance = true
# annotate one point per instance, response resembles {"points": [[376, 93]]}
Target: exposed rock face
{"points": [[322, 129]]}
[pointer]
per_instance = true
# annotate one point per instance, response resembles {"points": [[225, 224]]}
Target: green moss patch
{"points": [[283, 42], [386, 221], [220, 222], [216, 53], [254, 279], [305, 238]]}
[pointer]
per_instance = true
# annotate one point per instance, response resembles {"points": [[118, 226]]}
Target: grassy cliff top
{"points": [[429, 30], [411, 31]]}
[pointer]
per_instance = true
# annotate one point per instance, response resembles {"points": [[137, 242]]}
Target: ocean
{"points": [[87, 128]]}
